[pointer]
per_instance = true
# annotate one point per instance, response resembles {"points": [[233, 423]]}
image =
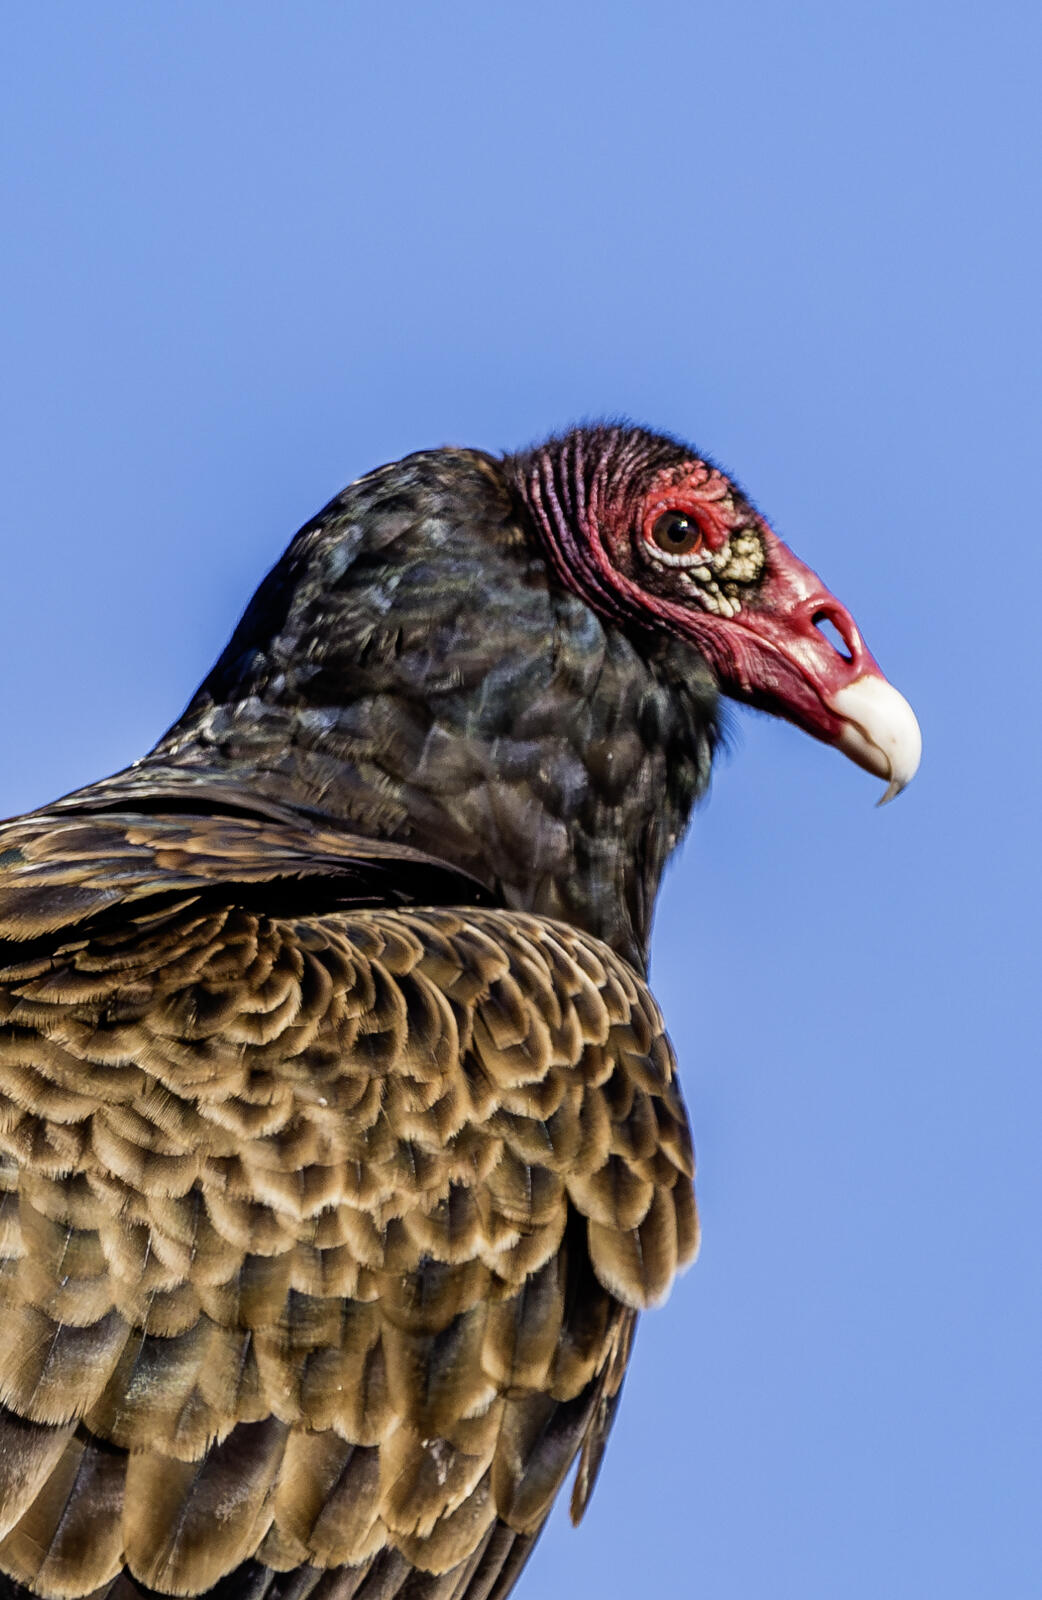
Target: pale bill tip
{"points": [[880, 731]]}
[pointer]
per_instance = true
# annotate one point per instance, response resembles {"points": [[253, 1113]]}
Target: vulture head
{"points": [[514, 664], [653, 534]]}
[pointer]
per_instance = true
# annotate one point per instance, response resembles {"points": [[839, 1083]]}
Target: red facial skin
{"points": [[771, 654]]}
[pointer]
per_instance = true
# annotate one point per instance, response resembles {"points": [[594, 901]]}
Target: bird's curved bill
{"points": [[780, 656], [879, 731]]}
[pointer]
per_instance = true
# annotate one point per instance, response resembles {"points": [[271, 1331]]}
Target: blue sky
{"points": [[252, 250]]}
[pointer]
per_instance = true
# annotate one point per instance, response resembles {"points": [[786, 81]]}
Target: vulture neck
{"points": [[413, 670]]}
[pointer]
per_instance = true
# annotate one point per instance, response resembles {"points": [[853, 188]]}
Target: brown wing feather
{"points": [[323, 1236]]}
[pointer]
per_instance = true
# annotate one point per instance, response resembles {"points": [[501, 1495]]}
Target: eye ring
{"points": [[676, 533]]}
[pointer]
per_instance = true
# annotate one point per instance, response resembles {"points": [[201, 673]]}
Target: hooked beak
{"points": [[775, 654], [880, 731]]}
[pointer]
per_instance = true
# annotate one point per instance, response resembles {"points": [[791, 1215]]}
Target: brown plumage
{"points": [[323, 1235], [335, 1167]]}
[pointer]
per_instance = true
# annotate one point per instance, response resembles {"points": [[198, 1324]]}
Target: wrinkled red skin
{"points": [[774, 656], [771, 655]]}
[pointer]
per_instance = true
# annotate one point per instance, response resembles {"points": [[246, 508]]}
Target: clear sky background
{"points": [[252, 250]]}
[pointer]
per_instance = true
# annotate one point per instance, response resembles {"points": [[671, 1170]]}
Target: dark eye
{"points": [[676, 533]]}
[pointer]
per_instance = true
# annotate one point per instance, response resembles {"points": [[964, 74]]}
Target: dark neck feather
{"points": [[413, 668]]}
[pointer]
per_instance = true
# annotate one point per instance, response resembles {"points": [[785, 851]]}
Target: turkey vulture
{"points": [[340, 1137]]}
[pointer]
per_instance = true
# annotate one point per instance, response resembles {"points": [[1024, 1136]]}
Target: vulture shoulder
{"points": [[328, 1198]]}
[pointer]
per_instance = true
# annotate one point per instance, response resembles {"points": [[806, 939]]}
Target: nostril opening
{"points": [[825, 625]]}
